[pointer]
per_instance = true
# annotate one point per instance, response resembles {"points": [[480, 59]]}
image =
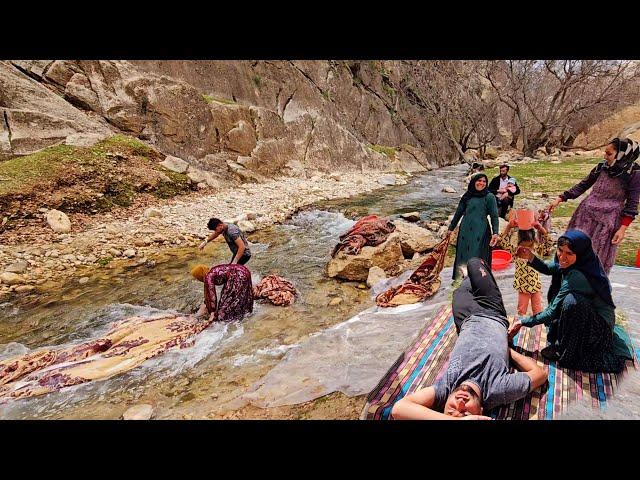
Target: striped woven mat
{"points": [[426, 360]]}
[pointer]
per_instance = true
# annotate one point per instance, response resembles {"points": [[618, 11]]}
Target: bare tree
{"points": [[549, 99], [455, 98]]}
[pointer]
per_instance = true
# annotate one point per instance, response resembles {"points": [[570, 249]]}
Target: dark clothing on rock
{"points": [[369, 231]]}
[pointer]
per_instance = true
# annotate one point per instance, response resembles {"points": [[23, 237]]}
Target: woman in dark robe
{"points": [[236, 299], [580, 316], [475, 237]]}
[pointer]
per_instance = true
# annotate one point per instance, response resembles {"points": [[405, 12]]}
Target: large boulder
{"points": [[241, 138], [414, 238], [33, 68], [356, 267], [405, 161], [246, 226], [5, 143], [85, 139], [58, 221], [37, 117], [388, 179], [411, 216], [78, 91], [505, 158], [175, 164], [244, 174]]}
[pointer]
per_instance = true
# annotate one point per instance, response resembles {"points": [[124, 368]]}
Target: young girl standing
{"points": [[526, 280]]}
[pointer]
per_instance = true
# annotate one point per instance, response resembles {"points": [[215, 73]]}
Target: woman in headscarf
{"points": [[236, 299], [475, 238], [613, 202], [580, 316]]}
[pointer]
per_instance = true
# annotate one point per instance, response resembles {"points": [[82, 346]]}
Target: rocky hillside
{"points": [[235, 120], [625, 123], [117, 171]]}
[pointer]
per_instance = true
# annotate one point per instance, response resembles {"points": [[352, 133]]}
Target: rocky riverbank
{"points": [[135, 236]]}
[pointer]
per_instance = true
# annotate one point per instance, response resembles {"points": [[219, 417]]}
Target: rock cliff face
{"points": [[625, 123], [237, 120]]}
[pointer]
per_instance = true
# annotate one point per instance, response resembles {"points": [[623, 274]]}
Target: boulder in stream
{"points": [[414, 238], [387, 256]]}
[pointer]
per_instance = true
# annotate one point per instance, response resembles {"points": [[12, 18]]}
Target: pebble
{"points": [[17, 267], [83, 280], [9, 278], [335, 301], [139, 412], [25, 288]]}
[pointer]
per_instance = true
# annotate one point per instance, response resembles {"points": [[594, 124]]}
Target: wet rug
{"points": [[128, 344], [426, 359]]}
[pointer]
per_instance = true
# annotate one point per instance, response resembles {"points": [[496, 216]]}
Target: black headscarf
{"points": [[588, 263], [471, 189], [625, 164]]}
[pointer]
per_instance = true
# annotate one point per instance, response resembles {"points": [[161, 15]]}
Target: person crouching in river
{"points": [[236, 299]]}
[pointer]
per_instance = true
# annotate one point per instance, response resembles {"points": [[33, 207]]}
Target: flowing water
{"points": [[226, 358]]}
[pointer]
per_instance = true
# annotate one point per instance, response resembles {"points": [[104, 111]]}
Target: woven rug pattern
{"points": [[426, 359]]}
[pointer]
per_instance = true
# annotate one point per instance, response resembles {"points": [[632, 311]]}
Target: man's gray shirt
{"points": [[481, 356], [231, 234]]}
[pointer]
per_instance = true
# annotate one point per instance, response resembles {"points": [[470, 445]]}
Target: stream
{"points": [[226, 358]]}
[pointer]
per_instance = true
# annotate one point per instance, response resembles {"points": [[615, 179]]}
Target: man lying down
{"points": [[477, 378]]}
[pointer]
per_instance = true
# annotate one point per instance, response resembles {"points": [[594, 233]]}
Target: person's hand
{"points": [[475, 417], [524, 253], [554, 204], [542, 213], [494, 240], [202, 245], [536, 224], [514, 329], [513, 222], [619, 235], [202, 311]]}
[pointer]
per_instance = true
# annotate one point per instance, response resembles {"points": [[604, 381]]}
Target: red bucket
{"points": [[500, 259], [638, 259]]}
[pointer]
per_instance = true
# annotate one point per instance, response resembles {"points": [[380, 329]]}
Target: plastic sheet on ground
{"points": [[352, 357]]}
